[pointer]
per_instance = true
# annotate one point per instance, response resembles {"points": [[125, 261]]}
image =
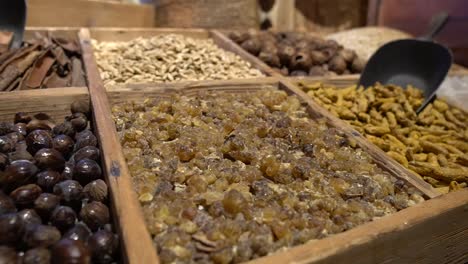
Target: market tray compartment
{"points": [[128, 34], [377, 241]]}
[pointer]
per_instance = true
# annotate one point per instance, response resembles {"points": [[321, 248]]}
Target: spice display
{"points": [[53, 208], [433, 143], [44, 61], [299, 54], [168, 58], [225, 178]]}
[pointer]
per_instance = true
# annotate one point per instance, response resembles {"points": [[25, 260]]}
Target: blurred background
{"points": [[322, 17]]}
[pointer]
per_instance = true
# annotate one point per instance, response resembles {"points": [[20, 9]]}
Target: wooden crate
{"points": [[123, 34], [392, 239]]}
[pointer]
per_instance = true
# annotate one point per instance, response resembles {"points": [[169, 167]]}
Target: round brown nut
{"points": [[64, 144], [63, 217], [80, 106], [95, 215], [41, 236], [37, 256], [96, 191], [78, 232], [48, 158], [45, 204], [103, 245], [86, 170], [25, 195], [337, 64], [38, 139], [252, 46], [70, 251], [270, 59]]}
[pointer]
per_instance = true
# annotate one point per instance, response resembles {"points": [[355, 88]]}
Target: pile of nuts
{"points": [[230, 177], [299, 54], [168, 58], [433, 143], [53, 201]]}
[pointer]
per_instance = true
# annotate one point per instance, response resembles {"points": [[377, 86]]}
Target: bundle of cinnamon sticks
{"points": [[45, 61]]}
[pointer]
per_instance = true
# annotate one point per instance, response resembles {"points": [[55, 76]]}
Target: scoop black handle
{"points": [[437, 23]]}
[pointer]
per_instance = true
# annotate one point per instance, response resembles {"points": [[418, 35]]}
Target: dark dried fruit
{"points": [[79, 122], [301, 61], [10, 229], [78, 232], [5, 128], [48, 178], [63, 217], [81, 106], [45, 204], [6, 144], [22, 117], [270, 59], [252, 45], [64, 144], [95, 215], [25, 195], [38, 139], [20, 128], [96, 191], [37, 256], [86, 170], [68, 251], [8, 255], [48, 158], [65, 128], [28, 217], [337, 64], [17, 173], [87, 152], [67, 172], [37, 124], [69, 190], [6, 204], [103, 245], [85, 138], [285, 54], [41, 236], [4, 161]]}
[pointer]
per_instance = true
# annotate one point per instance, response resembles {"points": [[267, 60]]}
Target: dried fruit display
{"points": [[42, 62], [168, 58], [53, 201], [299, 54], [225, 178], [432, 143]]}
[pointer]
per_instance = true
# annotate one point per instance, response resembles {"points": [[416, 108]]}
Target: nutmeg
{"points": [[318, 57], [17, 173], [6, 144], [88, 152], [96, 191], [38, 139], [4, 161], [270, 59], [301, 61], [45, 204], [85, 138], [10, 229], [5, 128], [95, 215], [20, 128], [238, 37], [86, 170], [316, 71], [79, 121], [81, 106], [347, 55], [68, 251], [37, 256], [63, 217], [28, 217], [67, 172], [36, 124], [103, 245], [48, 178], [65, 128], [78, 232], [25, 195], [64, 144], [49, 158], [40, 236], [22, 117], [337, 64], [285, 54], [8, 255], [6, 204], [68, 190], [252, 46]]}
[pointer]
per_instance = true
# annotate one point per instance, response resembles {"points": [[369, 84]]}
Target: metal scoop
{"points": [[417, 62], [13, 19]]}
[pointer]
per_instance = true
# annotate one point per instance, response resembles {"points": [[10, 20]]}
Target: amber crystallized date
{"points": [[225, 178]]}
